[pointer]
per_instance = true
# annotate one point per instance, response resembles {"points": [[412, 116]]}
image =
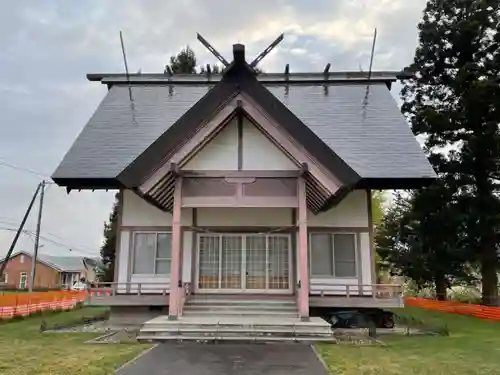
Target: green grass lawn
{"points": [[24, 350], [473, 347]]}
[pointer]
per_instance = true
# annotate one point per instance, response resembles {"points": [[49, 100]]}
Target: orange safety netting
{"points": [[23, 304], [479, 311]]}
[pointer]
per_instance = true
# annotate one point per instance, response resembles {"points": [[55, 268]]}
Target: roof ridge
{"points": [[299, 77]]}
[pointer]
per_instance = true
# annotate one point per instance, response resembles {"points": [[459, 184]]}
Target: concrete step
{"points": [[250, 313], [246, 328], [298, 330], [225, 299], [241, 306], [253, 308], [244, 339]]}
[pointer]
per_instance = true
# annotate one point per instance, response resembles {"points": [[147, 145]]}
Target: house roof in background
{"points": [[64, 263], [61, 263]]}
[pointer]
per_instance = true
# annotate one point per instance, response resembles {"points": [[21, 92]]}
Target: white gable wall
{"points": [[221, 153], [258, 152]]}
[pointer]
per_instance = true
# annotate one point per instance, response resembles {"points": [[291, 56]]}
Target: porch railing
{"points": [[134, 288], [379, 291], [317, 288]]}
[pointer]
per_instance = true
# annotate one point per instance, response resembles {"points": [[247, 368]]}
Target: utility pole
{"points": [[37, 238], [3, 266]]}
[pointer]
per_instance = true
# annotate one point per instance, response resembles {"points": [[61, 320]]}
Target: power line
{"points": [[59, 244], [22, 169], [69, 247], [31, 235], [64, 240], [8, 221]]}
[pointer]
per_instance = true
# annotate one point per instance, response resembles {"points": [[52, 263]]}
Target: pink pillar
{"points": [[303, 252], [175, 290]]}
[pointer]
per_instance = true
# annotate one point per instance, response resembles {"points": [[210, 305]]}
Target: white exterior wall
{"points": [[352, 212], [123, 258], [244, 217], [137, 212], [351, 215], [139, 215]]}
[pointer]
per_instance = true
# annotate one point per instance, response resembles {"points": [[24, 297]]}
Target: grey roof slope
{"points": [[370, 136], [120, 130], [367, 131]]}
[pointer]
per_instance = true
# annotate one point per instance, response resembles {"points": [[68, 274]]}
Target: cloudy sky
{"points": [[47, 47]]}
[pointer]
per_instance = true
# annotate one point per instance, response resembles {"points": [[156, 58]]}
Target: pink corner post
{"points": [[303, 299], [175, 290]]}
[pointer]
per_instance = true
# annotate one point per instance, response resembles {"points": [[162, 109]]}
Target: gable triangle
{"points": [[240, 145]]}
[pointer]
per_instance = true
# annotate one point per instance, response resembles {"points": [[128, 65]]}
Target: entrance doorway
{"points": [[23, 280], [244, 263]]}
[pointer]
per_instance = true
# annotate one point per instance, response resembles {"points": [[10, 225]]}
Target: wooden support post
{"points": [[173, 311], [303, 252]]}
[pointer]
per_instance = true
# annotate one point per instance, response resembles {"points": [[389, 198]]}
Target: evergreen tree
{"points": [[184, 62], [422, 237], [454, 101], [378, 200], [108, 247]]}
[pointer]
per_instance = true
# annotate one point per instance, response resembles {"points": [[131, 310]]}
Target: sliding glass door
{"points": [[244, 263]]}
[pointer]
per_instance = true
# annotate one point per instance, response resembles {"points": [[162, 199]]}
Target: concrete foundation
{"points": [[133, 317]]}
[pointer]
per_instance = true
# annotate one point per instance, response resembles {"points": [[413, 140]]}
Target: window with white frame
{"points": [[332, 255], [152, 252]]}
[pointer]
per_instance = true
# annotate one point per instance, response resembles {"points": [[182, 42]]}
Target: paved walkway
{"points": [[227, 359]]}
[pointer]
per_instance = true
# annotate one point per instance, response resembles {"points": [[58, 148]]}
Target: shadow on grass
{"points": [[410, 319]]}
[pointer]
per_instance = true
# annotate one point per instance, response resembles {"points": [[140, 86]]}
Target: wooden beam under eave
{"points": [[240, 202], [240, 174]]}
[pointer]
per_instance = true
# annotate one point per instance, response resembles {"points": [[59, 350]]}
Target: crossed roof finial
{"points": [[239, 48]]}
